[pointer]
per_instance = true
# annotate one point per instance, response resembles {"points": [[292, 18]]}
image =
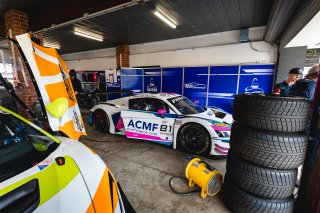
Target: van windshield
{"points": [[21, 146]]}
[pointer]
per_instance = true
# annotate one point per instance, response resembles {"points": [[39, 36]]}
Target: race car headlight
{"points": [[223, 134]]}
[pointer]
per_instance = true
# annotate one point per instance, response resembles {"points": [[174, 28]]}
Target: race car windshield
{"points": [[21, 146], [185, 106]]}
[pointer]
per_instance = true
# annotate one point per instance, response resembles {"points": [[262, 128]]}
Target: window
{"points": [[21, 146], [6, 71], [147, 104], [185, 106]]}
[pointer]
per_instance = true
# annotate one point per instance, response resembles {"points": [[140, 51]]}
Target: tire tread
{"points": [[260, 181], [269, 149], [280, 114]]}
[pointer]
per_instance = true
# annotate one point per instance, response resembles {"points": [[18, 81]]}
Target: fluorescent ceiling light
{"points": [[51, 45], [165, 19], [87, 34]]}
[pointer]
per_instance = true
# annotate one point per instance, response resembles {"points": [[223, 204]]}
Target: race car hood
{"points": [[216, 115], [54, 184], [70, 185]]}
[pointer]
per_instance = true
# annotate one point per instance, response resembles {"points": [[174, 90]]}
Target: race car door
{"points": [[142, 120]]}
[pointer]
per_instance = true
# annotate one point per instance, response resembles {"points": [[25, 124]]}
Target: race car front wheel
{"points": [[101, 120], [194, 138]]}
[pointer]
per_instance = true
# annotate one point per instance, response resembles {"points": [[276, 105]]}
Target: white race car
{"points": [[166, 118]]}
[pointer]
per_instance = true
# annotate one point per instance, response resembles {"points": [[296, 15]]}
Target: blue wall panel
{"points": [[256, 78], [172, 80], [113, 83], [223, 86], [132, 79], [195, 84]]}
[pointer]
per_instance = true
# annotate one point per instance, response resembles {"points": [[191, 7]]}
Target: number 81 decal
{"points": [[165, 128]]}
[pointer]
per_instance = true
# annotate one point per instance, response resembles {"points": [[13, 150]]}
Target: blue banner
{"points": [[113, 79], [132, 79], [195, 84], [256, 79], [172, 80], [223, 86], [152, 80]]}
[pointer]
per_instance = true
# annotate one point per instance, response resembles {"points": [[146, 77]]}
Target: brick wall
{"points": [[18, 22], [123, 55]]}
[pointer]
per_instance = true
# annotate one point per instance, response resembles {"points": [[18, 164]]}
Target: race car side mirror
{"points": [[161, 112], [57, 107]]}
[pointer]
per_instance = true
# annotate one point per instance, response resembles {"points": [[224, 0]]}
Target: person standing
{"points": [[76, 83], [284, 87], [306, 87]]}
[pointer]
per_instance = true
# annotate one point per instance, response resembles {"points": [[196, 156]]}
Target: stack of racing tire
{"points": [[268, 144]]}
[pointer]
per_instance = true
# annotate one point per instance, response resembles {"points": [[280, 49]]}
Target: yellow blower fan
{"points": [[205, 176]]}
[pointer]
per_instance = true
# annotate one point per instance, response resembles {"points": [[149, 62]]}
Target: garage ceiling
{"points": [[137, 24]]}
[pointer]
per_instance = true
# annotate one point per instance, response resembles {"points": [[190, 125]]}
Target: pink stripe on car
{"points": [[146, 137]]}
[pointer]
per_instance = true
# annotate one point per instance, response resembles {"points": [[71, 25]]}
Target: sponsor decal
{"points": [[42, 167], [44, 164], [254, 87], [68, 84], [194, 85], [143, 125], [77, 122], [221, 128], [220, 124], [176, 100], [148, 128], [113, 84], [47, 161], [178, 122], [151, 87]]}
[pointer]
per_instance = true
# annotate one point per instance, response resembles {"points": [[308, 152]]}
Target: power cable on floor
{"points": [[195, 190], [101, 141]]}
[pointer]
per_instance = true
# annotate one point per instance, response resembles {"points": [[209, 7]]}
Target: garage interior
{"points": [[124, 41]]}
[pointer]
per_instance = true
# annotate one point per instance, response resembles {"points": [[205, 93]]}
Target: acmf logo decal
{"points": [[143, 125]]}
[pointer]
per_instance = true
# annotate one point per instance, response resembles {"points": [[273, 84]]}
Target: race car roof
{"points": [[124, 101], [165, 95]]}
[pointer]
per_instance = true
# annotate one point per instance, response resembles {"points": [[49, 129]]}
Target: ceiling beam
{"points": [[281, 12], [61, 11]]}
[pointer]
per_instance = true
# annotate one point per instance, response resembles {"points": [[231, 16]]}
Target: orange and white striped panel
{"points": [[53, 81]]}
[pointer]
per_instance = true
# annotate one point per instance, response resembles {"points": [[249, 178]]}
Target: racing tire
{"points": [[240, 202], [269, 149], [101, 120], [194, 138], [260, 181], [273, 113]]}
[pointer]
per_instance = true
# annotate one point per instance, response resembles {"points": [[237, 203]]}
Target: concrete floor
{"points": [[144, 169]]}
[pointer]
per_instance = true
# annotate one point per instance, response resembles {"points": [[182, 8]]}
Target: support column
{"points": [[18, 23], [123, 55]]}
